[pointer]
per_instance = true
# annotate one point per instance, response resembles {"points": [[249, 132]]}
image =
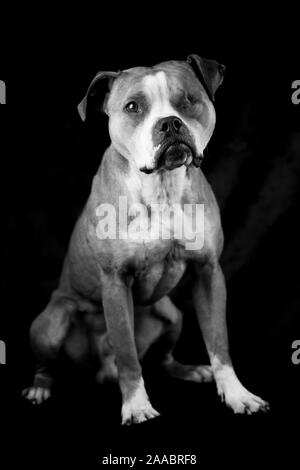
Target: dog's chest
{"points": [[157, 215], [155, 276], [157, 225], [159, 262]]}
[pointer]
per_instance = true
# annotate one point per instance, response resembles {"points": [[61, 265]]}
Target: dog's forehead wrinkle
{"points": [[159, 82]]}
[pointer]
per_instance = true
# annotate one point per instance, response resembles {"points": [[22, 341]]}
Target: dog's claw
{"points": [[248, 404]]}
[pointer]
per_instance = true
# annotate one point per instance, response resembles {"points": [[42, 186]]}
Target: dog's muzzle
{"points": [[175, 146], [176, 154]]}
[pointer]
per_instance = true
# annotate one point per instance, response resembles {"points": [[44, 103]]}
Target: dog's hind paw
{"points": [[36, 395], [191, 373]]}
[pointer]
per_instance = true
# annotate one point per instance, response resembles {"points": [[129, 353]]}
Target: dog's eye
{"points": [[132, 107], [190, 99], [186, 101]]}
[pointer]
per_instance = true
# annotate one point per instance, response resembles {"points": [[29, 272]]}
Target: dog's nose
{"points": [[171, 124]]}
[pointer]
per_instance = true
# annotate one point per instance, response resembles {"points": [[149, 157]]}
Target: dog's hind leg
{"points": [[161, 324], [47, 334], [172, 317], [108, 371], [147, 330]]}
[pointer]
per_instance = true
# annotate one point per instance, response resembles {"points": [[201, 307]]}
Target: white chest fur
{"points": [[160, 214]]}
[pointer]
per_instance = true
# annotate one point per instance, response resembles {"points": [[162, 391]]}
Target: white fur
{"points": [[36, 395], [138, 408], [169, 220], [165, 188], [231, 390], [157, 89]]}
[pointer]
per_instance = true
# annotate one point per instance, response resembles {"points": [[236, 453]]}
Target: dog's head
{"points": [[160, 117]]}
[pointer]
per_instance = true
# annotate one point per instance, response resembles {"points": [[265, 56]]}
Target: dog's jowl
{"points": [[113, 295]]}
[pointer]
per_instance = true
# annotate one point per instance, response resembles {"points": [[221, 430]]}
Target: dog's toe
{"points": [[36, 395], [191, 373], [247, 403], [132, 415], [201, 374]]}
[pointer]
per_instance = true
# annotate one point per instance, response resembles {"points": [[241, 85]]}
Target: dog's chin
{"points": [[176, 155], [171, 156]]}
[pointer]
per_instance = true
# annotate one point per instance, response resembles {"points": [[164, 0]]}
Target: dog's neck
{"points": [[159, 187]]}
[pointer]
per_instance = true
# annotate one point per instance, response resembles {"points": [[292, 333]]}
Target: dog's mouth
{"points": [[174, 153]]}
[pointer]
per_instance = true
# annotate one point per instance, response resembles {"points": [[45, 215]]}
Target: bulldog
{"points": [[114, 291]]}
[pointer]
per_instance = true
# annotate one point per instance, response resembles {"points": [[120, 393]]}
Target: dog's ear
{"points": [[96, 92], [209, 72]]}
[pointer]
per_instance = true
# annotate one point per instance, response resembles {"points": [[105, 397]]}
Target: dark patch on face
{"points": [[189, 101], [190, 106], [187, 93], [141, 100]]}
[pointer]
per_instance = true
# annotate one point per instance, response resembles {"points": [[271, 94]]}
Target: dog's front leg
{"points": [[118, 311], [209, 296]]}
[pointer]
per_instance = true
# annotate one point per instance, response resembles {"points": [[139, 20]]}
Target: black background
{"points": [[48, 158]]}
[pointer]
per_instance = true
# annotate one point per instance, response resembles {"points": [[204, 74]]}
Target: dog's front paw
{"points": [[132, 413], [245, 402], [235, 395], [36, 395], [137, 408]]}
